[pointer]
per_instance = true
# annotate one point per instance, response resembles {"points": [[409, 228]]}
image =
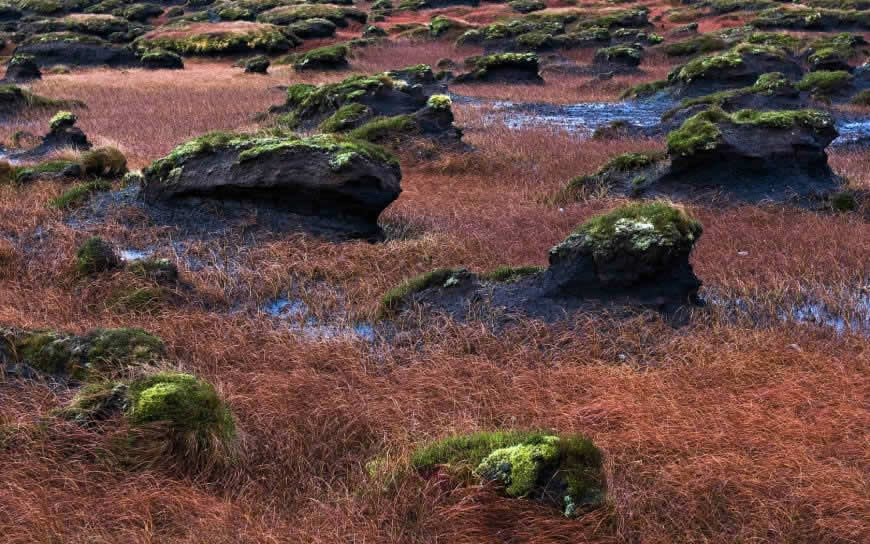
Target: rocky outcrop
{"points": [[74, 50], [167, 420], [160, 59], [343, 182], [97, 354], [387, 108], [637, 256], [748, 155], [63, 134], [503, 68], [21, 69]]}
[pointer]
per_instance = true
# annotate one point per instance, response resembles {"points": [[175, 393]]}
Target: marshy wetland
{"points": [[428, 271]]}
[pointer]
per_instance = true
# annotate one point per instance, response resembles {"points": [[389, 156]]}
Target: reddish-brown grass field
{"points": [[738, 427]]}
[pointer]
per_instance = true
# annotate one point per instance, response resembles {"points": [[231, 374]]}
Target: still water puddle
{"points": [[294, 312]]}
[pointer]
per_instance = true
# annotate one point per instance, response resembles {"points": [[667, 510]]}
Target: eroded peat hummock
{"points": [[430, 271]]}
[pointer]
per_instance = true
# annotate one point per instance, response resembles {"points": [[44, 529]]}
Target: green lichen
{"points": [[63, 120], [95, 256]]}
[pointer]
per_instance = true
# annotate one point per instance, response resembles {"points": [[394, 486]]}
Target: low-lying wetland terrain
{"points": [[424, 271]]}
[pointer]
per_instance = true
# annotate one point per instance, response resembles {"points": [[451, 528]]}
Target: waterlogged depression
{"points": [[585, 117]]}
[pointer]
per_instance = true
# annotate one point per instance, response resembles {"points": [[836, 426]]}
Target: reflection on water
{"points": [[294, 311]]}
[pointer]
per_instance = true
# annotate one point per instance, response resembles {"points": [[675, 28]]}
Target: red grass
{"points": [[723, 431]]}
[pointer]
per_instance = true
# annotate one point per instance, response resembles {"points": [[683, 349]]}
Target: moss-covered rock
{"points": [[705, 43], [624, 55], [338, 15], [504, 67], [207, 39], [98, 354], [345, 118], [527, 6], [174, 420], [63, 120], [316, 27], [95, 256], [257, 65], [325, 177], [22, 68], [825, 84], [155, 59], [561, 471], [330, 57]]}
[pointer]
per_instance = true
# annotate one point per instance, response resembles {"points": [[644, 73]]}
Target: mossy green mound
{"points": [[563, 471], [824, 83], [249, 147], [218, 39], [635, 228], [328, 57], [173, 419], [100, 353], [95, 256], [702, 133]]}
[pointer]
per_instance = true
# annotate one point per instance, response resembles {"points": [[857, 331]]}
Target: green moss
{"points": [[175, 420], [307, 101], [345, 117], [698, 133], [391, 301], [767, 84], [642, 225], [63, 120], [704, 43], [285, 15], [506, 274], [14, 97], [78, 194], [440, 102], [644, 90], [385, 128], [323, 57], [189, 405], [99, 353], [519, 467], [619, 53], [116, 348], [824, 83], [524, 463], [47, 352], [42, 7], [627, 162], [266, 38], [161, 57], [95, 256]]}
